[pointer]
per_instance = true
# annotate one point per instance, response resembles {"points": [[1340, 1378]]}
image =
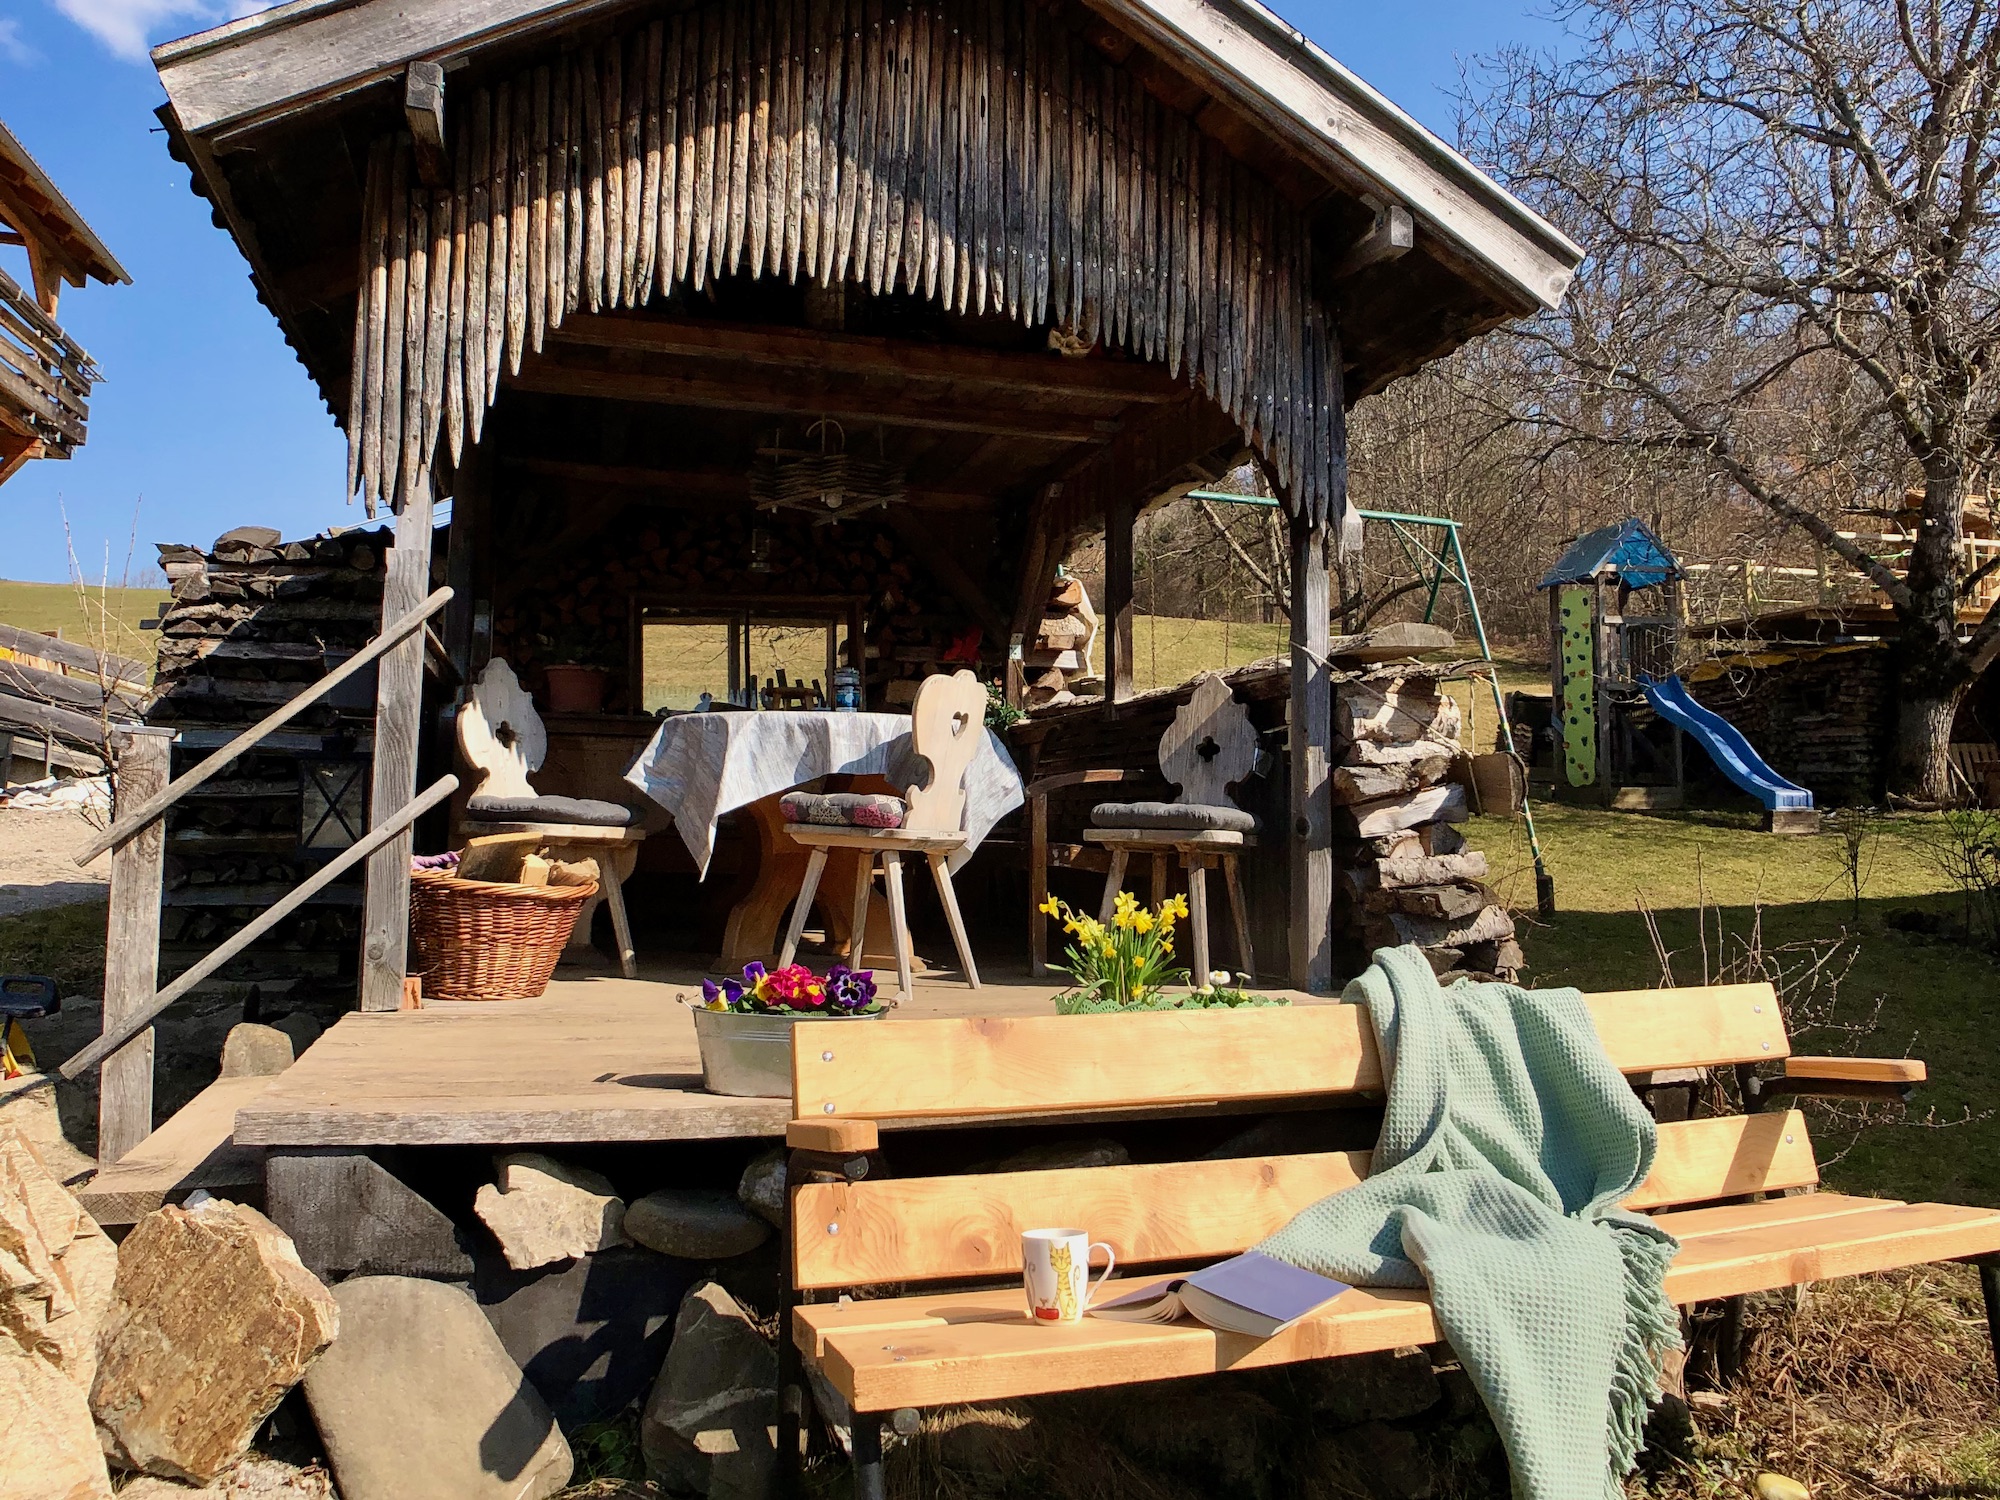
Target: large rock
{"points": [[212, 1320], [28, 1105], [544, 1211], [56, 1266], [695, 1224], [590, 1334], [762, 1187], [419, 1401], [709, 1424], [254, 1051], [50, 1446]]}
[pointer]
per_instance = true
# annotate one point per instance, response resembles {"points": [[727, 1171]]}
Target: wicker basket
{"points": [[482, 940]]}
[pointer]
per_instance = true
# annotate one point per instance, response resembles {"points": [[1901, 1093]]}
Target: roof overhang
{"points": [[265, 68], [26, 193]]}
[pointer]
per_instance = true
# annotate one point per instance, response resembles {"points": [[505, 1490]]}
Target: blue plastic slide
{"points": [[1725, 745]]}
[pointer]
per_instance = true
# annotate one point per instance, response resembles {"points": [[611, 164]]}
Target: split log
{"points": [[1387, 815], [1403, 712], [1428, 869], [1371, 783], [1394, 929]]}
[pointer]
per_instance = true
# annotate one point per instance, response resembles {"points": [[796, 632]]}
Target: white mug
{"points": [[1055, 1273]]}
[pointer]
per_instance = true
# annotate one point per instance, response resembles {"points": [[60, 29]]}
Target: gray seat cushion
{"points": [[550, 810], [1181, 817]]}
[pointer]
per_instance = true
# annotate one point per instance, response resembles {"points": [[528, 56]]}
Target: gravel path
{"points": [[36, 867]]}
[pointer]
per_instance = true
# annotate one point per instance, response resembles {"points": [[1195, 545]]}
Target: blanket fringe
{"points": [[1652, 1331]]}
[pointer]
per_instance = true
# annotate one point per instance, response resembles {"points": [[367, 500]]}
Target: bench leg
{"points": [[1239, 912], [864, 887], [815, 867], [1114, 881], [621, 924], [892, 877], [941, 873], [1197, 878], [868, 1483], [1989, 1290], [1729, 1345]]}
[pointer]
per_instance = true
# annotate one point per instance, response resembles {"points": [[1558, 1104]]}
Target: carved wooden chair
{"points": [[1209, 748], [504, 741], [946, 723]]}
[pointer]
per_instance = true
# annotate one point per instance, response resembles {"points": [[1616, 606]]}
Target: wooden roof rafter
{"points": [[61, 246]]}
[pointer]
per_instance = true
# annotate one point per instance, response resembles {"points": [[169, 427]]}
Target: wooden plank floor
{"points": [[597, 1058]]}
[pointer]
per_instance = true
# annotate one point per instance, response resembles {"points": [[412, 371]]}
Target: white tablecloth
{"points": [[700, 766]]}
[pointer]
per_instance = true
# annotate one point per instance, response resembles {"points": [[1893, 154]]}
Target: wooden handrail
{"points": [[153, 807], [118, 1034]]}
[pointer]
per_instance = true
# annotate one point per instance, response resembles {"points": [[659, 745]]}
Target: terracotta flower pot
{"points": [[577, 690]]}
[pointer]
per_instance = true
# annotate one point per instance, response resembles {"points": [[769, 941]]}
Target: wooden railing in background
{"points": [[1744, 590], [45, 376]]}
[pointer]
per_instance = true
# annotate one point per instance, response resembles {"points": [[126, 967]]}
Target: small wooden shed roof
{"points": [[33, 207], [258, 107]]}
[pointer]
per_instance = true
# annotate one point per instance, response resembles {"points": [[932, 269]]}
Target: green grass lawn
{"points": [[106, 619], [1708, 875]]}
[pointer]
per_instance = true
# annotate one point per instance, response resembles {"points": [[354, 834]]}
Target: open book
{"points": [[1249, 1293]]}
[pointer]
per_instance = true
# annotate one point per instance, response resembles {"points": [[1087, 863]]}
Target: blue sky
{"points": [[205, 420]]}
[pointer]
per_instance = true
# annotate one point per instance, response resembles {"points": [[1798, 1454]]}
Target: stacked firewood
{"points": [[254, 617], [1060, 665], [252, 620], [1405, 873]]}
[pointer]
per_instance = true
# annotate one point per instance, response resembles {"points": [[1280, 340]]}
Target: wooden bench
{"points": [[1736, 1190]]}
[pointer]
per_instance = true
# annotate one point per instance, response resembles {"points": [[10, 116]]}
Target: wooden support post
{"points": [[1118, 523], [1311, 924], [132, 945], [385, 931]]}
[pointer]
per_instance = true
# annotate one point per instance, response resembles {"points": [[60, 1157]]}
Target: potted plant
{"points": [[1127, 964], [578, 670], [744, 1027]]}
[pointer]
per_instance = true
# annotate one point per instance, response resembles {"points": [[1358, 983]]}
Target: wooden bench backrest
{"points": [[921, 1229], [1210, 745], [934, 1228], [1023, 1065], [500, 734], [947, 722]]}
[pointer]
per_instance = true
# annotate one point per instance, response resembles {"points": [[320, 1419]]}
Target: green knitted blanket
{"points": [[1508, 1142]]}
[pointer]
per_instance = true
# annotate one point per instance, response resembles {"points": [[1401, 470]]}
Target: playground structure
{"points": [[1620, 712]]}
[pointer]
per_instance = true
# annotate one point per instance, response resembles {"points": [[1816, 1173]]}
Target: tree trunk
{"points": [[1932, 670], [1920, 768]]}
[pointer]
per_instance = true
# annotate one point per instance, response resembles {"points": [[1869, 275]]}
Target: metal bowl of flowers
{"points": [[744, 1026]]}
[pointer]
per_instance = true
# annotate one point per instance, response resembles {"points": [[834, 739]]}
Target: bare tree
{"points": [[1790, 209]]}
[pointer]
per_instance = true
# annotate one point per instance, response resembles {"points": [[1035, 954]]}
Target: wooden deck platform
{"points": [[598, 1058]]}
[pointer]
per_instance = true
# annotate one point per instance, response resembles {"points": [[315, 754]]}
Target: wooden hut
{"points": [[653, 294], [45, 376]]}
